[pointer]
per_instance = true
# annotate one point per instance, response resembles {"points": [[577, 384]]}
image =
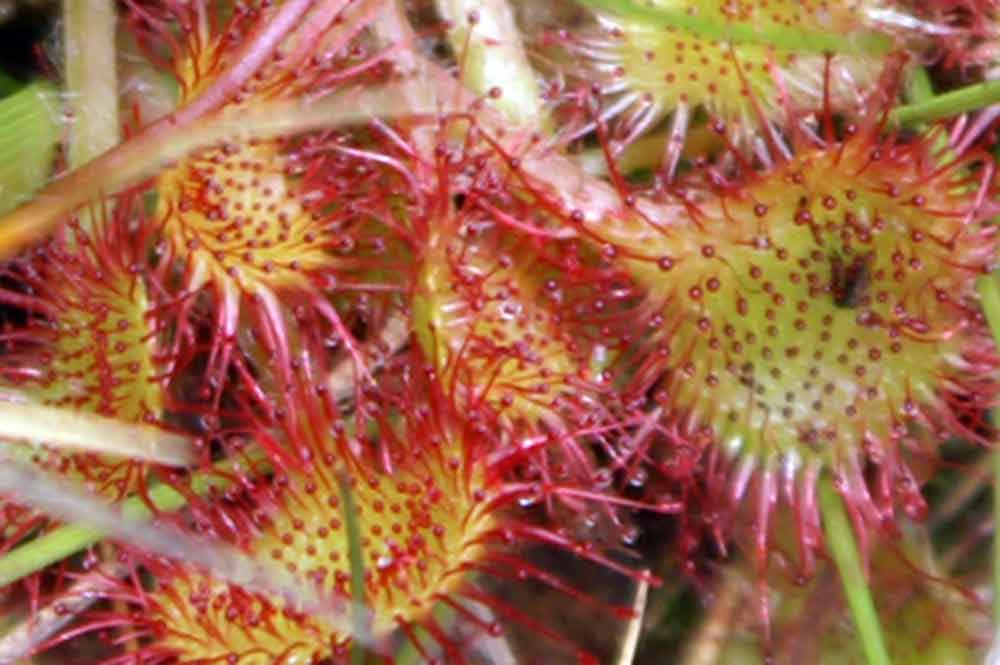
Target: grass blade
{"points": [[29, 134]]}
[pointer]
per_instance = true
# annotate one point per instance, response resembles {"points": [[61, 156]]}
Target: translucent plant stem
{"points": [[488, 46], [91, 77], [989, 295], [844, 550], [949, 104], [162, 143], [71, 538], [787, 38]]}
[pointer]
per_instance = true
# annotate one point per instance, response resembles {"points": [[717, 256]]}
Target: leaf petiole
{"points": [[844, 550]]}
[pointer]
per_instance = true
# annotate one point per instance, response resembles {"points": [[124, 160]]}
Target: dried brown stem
{"points": [[630, 640], [392, 337]]}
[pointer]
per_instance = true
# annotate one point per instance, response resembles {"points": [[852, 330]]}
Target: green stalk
{"points": [[357, 569], [72, 538], [844, 550], [789, 39], [920, 88], [963, 100], [989, 295]]}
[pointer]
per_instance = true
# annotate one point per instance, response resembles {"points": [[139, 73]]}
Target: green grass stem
{"points": [[963, 100], [69, 539], [357, 569], [844, 550]]}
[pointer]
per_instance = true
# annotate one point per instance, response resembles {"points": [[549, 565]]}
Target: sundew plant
{"points": [[493, 332]]}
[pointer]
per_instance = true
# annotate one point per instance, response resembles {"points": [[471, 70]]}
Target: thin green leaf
{"points": [[29, 134]]}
